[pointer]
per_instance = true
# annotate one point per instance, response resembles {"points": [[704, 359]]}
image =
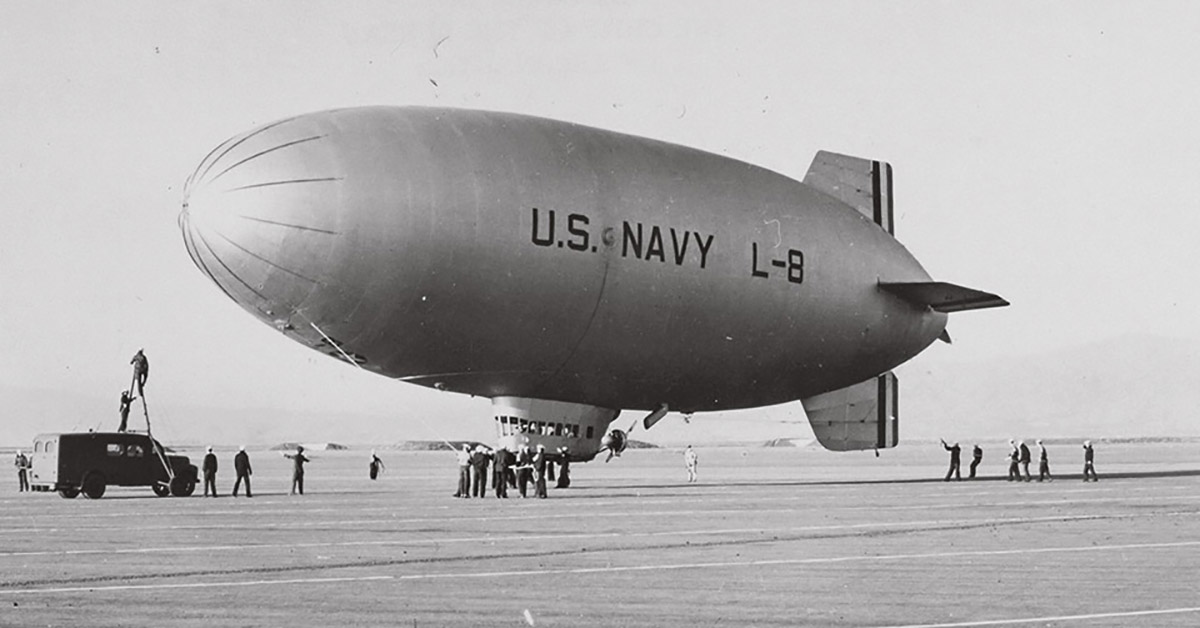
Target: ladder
{"points": [[158, 448]]}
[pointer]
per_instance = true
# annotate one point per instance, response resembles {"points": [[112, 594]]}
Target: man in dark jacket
{"points": [[955, 461], [1014, 461], [241, 465], [503, 460], [976, 458], [524, 469], [1089, 459], [539, 469], [126, 400], [141, 371], [479, 463], [210, 473], [1026, 458], [298, 459], [564, 469]]}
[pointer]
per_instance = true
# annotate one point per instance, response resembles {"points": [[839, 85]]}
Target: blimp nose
{"points": [[258, 216]]}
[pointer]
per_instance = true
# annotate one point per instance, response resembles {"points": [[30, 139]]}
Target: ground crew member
{"points": [[464, 471], [480, 461], [298, 461], [976, 458], [503, 460], [125, 401], [955, 460], [141, 370], [539, 468], [564, 468], [1043, 463], [210, 473], [1089, 468], [1026, 458], [241, 466], [376, 465], [524, 469], [1014, 458], [690, 461], [22, 464]]}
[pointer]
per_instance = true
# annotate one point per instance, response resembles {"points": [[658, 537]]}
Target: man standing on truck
{"points": [[210, 472], [241, 466], [22, 464]]}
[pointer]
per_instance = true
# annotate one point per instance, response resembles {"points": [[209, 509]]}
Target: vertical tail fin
{"points": [[865, 415], [863, 184]]}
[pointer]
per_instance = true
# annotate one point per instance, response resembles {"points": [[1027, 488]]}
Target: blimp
{"points": [[570, 273]]}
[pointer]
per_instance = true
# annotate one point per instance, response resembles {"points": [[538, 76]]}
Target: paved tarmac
{"points": [[767, 537]]}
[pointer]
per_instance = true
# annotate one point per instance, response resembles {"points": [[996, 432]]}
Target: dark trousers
{"points": [[1089, 471], [1025, 466], [1044, 471], [479, 489], [523, 481], [238, 483], [23, 479], [210, 483], [501, 483], [541, 485], [974, 463], [298, 483], [953, 471], [1014, 472]]}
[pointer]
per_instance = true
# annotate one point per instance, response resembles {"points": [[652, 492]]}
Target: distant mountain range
{"points": [[1122, 388]]}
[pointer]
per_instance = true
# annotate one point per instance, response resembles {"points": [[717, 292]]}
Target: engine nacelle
{"points": [[615, 441]]}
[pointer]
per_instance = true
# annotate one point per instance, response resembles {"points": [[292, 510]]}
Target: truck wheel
{"points": [[93, 485], [181, 487], [71, 492], [161, 489]]}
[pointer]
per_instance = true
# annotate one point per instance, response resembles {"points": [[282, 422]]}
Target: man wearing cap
{"points": [[210, 473], [241, 466], [1043, 463]]}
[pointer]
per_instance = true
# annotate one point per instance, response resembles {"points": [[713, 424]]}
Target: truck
{"points": [[89, 462]]}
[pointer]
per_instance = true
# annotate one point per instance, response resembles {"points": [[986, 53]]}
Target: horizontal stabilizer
{"points": [[863, 416], [943, 297], [864, 184]]}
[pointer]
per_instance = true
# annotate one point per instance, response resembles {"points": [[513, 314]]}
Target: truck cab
{"points": [[89, 462]]}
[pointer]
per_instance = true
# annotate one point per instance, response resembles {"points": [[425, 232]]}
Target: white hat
{"points": [[242, 448]]}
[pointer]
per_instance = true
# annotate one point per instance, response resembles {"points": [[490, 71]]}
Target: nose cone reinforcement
{"points": [[259, 215]]}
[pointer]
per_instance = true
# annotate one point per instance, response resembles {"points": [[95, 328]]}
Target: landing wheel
{"points": [[94, 485], [181, 487], [69, 492], [162, 489]]}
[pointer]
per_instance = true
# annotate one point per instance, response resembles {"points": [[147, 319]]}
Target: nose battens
{"points": [[260, 211]]}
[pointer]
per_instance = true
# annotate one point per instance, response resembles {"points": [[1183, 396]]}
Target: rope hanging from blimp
{"points": [[351, 360]]}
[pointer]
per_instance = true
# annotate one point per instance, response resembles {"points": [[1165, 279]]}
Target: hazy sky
{"points": [[1047, 152]]}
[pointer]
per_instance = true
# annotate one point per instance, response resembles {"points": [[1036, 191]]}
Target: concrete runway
{"points": [[767, 537]]}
